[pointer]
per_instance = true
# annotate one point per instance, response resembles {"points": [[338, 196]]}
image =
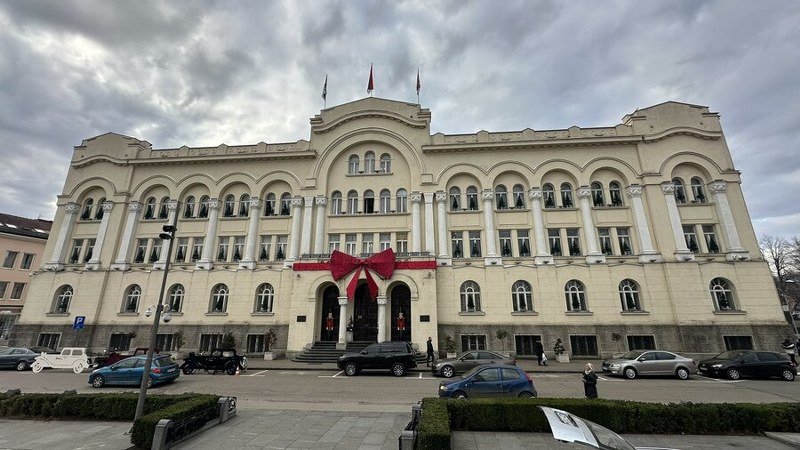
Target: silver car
{"points": [[650, 362], [468, 361]]}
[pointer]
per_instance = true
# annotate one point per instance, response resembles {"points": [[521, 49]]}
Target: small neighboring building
{"points": [[22, 244]]}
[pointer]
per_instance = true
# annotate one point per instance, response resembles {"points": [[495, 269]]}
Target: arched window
{"points": [[369, 162], [402, 201], [455, 199], [519, 196], [521, 296], [265, 294], [566, 196], [352, 164], [549, 195], [162, 208], [150, 208], [219, 299], [472, 198], [680, 191], [188, 209], [386, 163], [62, 300], [229, 206], [470, 297], [616, 193], [575, 295], [597, 194], [204, 203], [352, 202], [87, 209], [270, 205], [629, 295], [130, 304], [336, 203], [501, 197], [369, 201], [98, 215], [244, 205], [386, 201], [175, 298], [286, 204], [698, 191], [722, 294]]}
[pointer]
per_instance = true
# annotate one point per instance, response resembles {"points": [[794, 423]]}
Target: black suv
{"points": [[395, 356]]}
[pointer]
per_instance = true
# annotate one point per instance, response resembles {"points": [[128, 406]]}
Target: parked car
{"points": [[735, 364], [129, 371], [111, 357], [74, 358], [20, 358], [217, 360], [650, 362], [396, 356], [468, 360], [489, 380]]}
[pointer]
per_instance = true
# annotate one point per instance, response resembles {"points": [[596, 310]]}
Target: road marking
{"points": [[258, 374], [331, 376]]}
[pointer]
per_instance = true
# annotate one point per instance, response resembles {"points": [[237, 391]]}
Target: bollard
{"points": [[160, 435]]}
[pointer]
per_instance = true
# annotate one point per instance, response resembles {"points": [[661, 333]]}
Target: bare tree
{"points": [[776, 251]]}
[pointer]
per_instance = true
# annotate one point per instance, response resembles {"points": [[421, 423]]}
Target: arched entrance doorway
{"points": [[365, 315], [330, 304], [401, 303]]}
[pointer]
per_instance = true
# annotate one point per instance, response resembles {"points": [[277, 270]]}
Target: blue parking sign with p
{"points": [[79, 321]]}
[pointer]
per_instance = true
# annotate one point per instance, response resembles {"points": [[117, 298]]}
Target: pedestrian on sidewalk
{"points": [[789, 348], [538, 350], [431, 359], [589, 381]]}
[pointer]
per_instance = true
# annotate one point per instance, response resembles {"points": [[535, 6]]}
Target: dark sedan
{"points": [[20, 358], [468, 360], [735, 364], [490, 380]]}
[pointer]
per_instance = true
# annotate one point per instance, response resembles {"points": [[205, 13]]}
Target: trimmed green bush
{"points": [[144, 428], [434, 425]]}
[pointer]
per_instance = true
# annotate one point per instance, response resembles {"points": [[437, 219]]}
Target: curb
{"points": [[791, 439]]}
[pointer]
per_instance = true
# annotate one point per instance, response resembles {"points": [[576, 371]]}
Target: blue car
{"points": [[129, 371], [489, 380]]}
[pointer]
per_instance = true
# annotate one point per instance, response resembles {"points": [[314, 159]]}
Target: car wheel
{"points": [[734, 374], [22, 365], [398, 369], [98, 381], [78, 367], [682, 373], [630, 373], [525, 394], [188, 370], [230, 368], [350, 369], [37, 367], [448, 371], [787, 375], [460, 395]]}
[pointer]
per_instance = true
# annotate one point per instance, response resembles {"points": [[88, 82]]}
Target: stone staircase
{"points": [[326, 352]]}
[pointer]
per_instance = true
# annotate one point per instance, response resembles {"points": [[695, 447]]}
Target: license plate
{"points": [[172, 370]]}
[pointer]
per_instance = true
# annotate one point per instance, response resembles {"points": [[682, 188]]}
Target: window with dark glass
{"points": [[505, 243], [523, 243], [583, 345]]}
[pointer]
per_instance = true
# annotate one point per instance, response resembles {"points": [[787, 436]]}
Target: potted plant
{"points": [[561, 353], [502, 335], [450, 346], [271, 339]]}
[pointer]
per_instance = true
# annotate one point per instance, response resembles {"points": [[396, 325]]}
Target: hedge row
{"points": [[144, 428], [523, 415]]}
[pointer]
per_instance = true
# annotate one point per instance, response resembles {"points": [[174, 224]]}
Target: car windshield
{"points": [[165, 361], [730, 354], [631, 355], [607, 438]]}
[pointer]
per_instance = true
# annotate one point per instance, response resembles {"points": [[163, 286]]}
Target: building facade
{"points": [[629, 236], [22, 244]]}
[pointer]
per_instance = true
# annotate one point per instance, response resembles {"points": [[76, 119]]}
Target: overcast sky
{"points": [[204, 73]]}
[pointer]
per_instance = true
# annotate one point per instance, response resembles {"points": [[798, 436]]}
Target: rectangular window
{"points": [[280, 247], [505, 243], [11, 258], [624, 238], [3, 287], [265, 248], [386, 241], [738, 342], [457, 244], [89, 250], [367, 243], [119, 342], [141, 250], [573, 242], [691, 238], [472, 200], [350, 244], [402, 203], [333, 242], [336, 205], [524, 344], [523, 243], [402, 242], [711, 239], [583, 345], [197, 249], [182, 251], [16, 292], [352, 205], [554, 238], [369, 205], [209, 342], [166, 342], [604, 235], [155, 250], [385, 203], [475, 244], [27, 261], [49, 340], [473, 342], [256, 343], [75, 255], [222, 249], [238, 248], [641, 342]]}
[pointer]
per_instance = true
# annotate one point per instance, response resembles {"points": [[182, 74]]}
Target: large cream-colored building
{"points": [[628, 236]]}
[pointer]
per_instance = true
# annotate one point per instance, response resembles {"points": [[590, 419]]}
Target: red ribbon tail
{"points": [[372, 285], [353, 284]]}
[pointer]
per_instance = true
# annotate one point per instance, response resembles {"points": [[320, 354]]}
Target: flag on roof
{"points": [[325, 89], [370, 84]]}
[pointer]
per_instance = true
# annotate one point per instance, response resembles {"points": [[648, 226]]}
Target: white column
{"points": [[430, 245], [416, 226], [593, 254], [206, 260], [444, 240], [735, 250], [94, 260], [294, 239], [682, 252], [543, 255], [59, 249], [649, 254], [382, 318], [319, 230], [122, 263], [488, 218], [172, 207], [251, 243], [308, 217], [342, 323]]}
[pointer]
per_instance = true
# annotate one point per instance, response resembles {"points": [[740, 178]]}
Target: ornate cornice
{"points": [[370, 114]]}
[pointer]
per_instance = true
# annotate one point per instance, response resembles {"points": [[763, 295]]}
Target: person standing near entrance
{"points": [[538, 350], [430, 360], [589, 381]]}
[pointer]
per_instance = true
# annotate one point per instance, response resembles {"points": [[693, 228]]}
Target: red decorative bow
{"points": [[381, 263]]}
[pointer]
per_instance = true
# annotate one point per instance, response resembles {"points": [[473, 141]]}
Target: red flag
{"points": [[371, 84], [419, 85]]}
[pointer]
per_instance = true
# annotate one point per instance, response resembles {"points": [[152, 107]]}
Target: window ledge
{"points": [[524, 313], [257, 313], [635, 313], [274, 216], [471, 313], [363, 214], [52, 314], [216, 314], [234, 217], [579, 313], [128, 314], [508, 210], [463, 211], [610, 207], [731, 312], [192, 219], [368, 174], [561, 208], [691, 203]]}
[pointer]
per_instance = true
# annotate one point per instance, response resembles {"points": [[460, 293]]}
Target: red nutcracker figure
{"points": [[329, 324], [401, 325]]}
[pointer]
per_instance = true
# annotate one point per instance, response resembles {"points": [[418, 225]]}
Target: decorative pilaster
{"points": [[382, 301], [488, 217], [343, 321], [735, 251], [593, 253], [543, 255], [206, 260], [441, 211], [56, 262], [122, 262], [251, 243], [319, 230], [172, 208], [308, 217], [682, 252], [649, 254], [94, 260], [430, 245], [416, 225], [294, 239]]}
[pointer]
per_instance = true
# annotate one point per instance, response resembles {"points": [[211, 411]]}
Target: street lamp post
{"points": [[167, 235]]}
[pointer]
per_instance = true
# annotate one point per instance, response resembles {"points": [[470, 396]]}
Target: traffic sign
{"points": [[79, 321]]}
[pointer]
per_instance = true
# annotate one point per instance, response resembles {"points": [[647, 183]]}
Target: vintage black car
{"points": [[217, 360]]}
